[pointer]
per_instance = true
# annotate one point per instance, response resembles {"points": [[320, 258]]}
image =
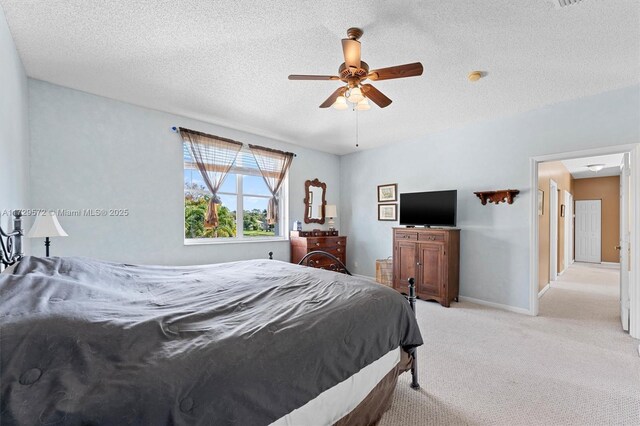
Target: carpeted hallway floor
{"points": [[572, 365]]}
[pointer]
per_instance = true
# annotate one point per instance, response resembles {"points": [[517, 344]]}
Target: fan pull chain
{"points": [[357, 144]]}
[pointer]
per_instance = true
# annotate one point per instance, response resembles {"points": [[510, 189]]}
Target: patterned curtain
{"points": [[213, 157], [274, 166]]}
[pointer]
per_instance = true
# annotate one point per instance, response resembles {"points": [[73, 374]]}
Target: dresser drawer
{"points": [[323, 243], [340, 241], [407, 236], [436, 236], [318, 243], [319, 261], [335, 250], [334, 245]]}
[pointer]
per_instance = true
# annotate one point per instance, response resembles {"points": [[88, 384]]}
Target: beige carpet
{"points": [[572, 365]]}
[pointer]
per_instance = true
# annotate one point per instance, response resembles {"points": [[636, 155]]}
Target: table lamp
{"points": [[331, 212], [46, 226]]}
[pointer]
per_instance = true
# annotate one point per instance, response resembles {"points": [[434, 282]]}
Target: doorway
{"points": [[566, 230], [553, 227]]}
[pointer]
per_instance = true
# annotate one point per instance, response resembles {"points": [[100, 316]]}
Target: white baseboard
{"points": [[495, 305], [610, 263], [544, 290]]}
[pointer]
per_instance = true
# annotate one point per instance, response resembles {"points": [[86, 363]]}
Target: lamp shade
{"points": [[330, 210], [363, 105], [355, 95], [46, 225], [341, 103]]}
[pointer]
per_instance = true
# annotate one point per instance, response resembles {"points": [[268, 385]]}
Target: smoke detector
{"points": [[559, 4]]}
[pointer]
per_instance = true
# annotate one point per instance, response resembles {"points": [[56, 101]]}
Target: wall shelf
{"points": [[503, 195]]}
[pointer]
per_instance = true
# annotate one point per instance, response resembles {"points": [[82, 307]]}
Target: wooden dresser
{"points": [[303, 242], [432, 257]]}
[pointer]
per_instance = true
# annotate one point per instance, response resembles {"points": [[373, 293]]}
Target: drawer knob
{"points": [[317, 244], [339, 243], [339, 250]]}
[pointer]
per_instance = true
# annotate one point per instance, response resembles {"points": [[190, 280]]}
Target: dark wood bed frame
{"points": [[11, 242], [11, 253]]}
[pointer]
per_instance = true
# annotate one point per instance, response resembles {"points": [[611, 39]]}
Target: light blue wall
{"points": [[14, 127], [92, 152], [494, 258]]}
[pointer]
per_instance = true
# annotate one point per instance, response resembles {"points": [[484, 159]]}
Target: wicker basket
{"points": [[384, 271]]}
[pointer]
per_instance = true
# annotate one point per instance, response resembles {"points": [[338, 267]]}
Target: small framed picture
{"points": [[540, 202], [387, 193], [388, 212], [561, 210]]}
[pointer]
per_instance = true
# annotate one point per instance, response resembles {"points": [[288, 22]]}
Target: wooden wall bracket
{"points": [[503, 195]]}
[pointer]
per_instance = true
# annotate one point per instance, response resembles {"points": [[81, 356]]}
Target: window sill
{"points": [[211, 241]]}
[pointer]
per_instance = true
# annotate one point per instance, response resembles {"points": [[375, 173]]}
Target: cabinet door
{"points": [[405, 264], [431, 264]]}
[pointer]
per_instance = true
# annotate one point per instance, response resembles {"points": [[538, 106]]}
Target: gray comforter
{"points": [[91, 342]]}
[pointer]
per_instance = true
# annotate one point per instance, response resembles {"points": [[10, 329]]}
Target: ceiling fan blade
{"points": [[375, 95], [313, 77], [399, 71], [331, 99], [351, 50]]}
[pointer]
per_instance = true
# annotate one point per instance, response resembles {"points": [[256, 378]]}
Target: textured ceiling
{"points": [[227, 62], [578, 166]]}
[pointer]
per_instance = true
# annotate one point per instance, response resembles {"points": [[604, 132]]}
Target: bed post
{"points": [[11, 242], [17, 230], [414, 351]]}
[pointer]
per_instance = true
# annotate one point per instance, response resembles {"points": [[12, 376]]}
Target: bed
{"points": [[252, 342]]}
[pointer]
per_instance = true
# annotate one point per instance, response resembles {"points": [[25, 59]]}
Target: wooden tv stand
{"points": [[432, 256]]}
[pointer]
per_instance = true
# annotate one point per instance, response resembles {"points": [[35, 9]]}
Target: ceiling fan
{"points": [[354, 71]]}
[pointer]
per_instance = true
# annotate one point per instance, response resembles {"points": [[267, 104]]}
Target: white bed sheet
{"points": [[336, 402]]}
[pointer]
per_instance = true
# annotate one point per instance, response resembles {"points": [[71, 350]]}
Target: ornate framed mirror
{"points": [[314, 201]]}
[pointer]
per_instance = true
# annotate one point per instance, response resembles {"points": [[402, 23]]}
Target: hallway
{"points": [[586, 298]]}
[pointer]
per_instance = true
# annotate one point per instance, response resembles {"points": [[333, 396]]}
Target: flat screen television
{"points": [[434, 208]]}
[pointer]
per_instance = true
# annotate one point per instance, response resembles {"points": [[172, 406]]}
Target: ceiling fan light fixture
{"points": [[355, 95], [341, 103], [353, 71], [595, 167], [363, 105]]}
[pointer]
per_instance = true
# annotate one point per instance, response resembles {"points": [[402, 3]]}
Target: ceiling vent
{"points": [[564, 3]]}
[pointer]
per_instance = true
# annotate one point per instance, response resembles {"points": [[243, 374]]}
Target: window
{"points": [[242, 203]]}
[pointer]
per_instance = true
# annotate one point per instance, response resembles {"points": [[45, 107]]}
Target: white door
{"points": [[553, 229], [588, 230], [572, 222], [624, 242], [568, 224]]}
